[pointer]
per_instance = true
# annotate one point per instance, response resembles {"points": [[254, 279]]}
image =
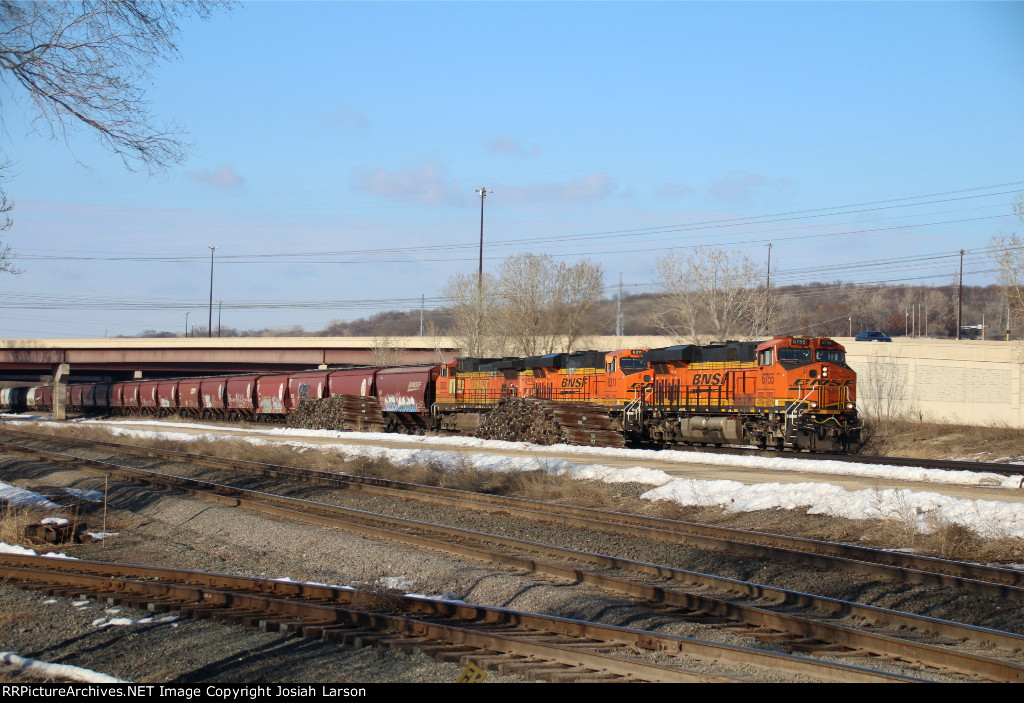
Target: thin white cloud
{"points": [[740, 185], [504, 145], [673, 190], [344, 115], [594, 186], [425, 185], [223, 177]]}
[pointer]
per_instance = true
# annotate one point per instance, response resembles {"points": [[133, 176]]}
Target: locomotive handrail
{"points": [[641, 392], [794, 411]]}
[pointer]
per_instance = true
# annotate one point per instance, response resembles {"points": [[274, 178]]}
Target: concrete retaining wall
{"points": [[972, 382]]}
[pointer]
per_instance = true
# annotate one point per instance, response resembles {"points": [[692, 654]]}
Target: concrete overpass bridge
{"points": [[38, 360]]}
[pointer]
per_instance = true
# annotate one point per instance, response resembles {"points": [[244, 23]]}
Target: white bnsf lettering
{"points": [[414, 385]]}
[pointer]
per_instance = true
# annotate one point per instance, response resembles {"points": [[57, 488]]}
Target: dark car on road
{"points": [[873, 336]]}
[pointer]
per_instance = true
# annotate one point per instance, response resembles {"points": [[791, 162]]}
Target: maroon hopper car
{"points": [[213, 394], [240, 391]]}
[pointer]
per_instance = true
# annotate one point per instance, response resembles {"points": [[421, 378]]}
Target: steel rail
{"points": [[336, 516], [324, 610], [896, 566]]}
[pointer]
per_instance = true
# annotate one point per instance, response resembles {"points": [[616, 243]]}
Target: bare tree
{"points": [[527, 288], [535, 305], [86, 64], [882, 388], [581, 286], [1008, 253], [545, 302], [476, 315], [6, 262], [384, 352], [709, 294]]}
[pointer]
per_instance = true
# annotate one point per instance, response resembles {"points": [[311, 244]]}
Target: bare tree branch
{"points": [[709, 295], [6, 255], [1008, 254], [476, 315], [87, 64], [535, 306]]}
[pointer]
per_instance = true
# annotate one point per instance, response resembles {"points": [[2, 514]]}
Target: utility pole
{"points": [[421, 313], [209, 324], [618, 311], [960, 297], [186, 324], [220, 305], [483, 193], [767, 291]]}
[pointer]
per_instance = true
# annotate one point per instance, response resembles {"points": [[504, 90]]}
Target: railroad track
{"points": [[942, 464], [725, 602], [899, 567], [533, 645]]}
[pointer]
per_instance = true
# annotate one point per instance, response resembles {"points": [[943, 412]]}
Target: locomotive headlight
{"points": [[824, 372], [813, 405], [849, 406]]}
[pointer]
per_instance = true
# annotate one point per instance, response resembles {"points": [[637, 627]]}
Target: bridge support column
{"points": [[137, 375], [60, 391]]}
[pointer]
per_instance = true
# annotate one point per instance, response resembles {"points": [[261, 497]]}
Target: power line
{"points": [[790, 216]]}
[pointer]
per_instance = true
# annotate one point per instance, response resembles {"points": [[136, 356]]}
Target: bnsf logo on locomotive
{"points": [[573, 382], [820, 382], [709, 379]]}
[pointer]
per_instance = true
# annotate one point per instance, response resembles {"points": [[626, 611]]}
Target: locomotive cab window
{"points": [[788, 354], [833, 355], [630, 365], [765, 357]]}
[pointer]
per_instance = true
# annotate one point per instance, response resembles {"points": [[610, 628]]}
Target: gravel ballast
{"points": [[176, 531]]}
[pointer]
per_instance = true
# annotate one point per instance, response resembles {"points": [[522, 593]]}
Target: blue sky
{"points": [[337, 147]]}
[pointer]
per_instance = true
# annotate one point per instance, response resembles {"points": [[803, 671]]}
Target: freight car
{"points": [[786, 392]]}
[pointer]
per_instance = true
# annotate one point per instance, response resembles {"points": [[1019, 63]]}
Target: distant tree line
{"points": [[824, 309]]}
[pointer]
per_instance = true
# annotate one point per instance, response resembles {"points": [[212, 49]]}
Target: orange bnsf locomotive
{"points": [[787, 392], [792, 392]]}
